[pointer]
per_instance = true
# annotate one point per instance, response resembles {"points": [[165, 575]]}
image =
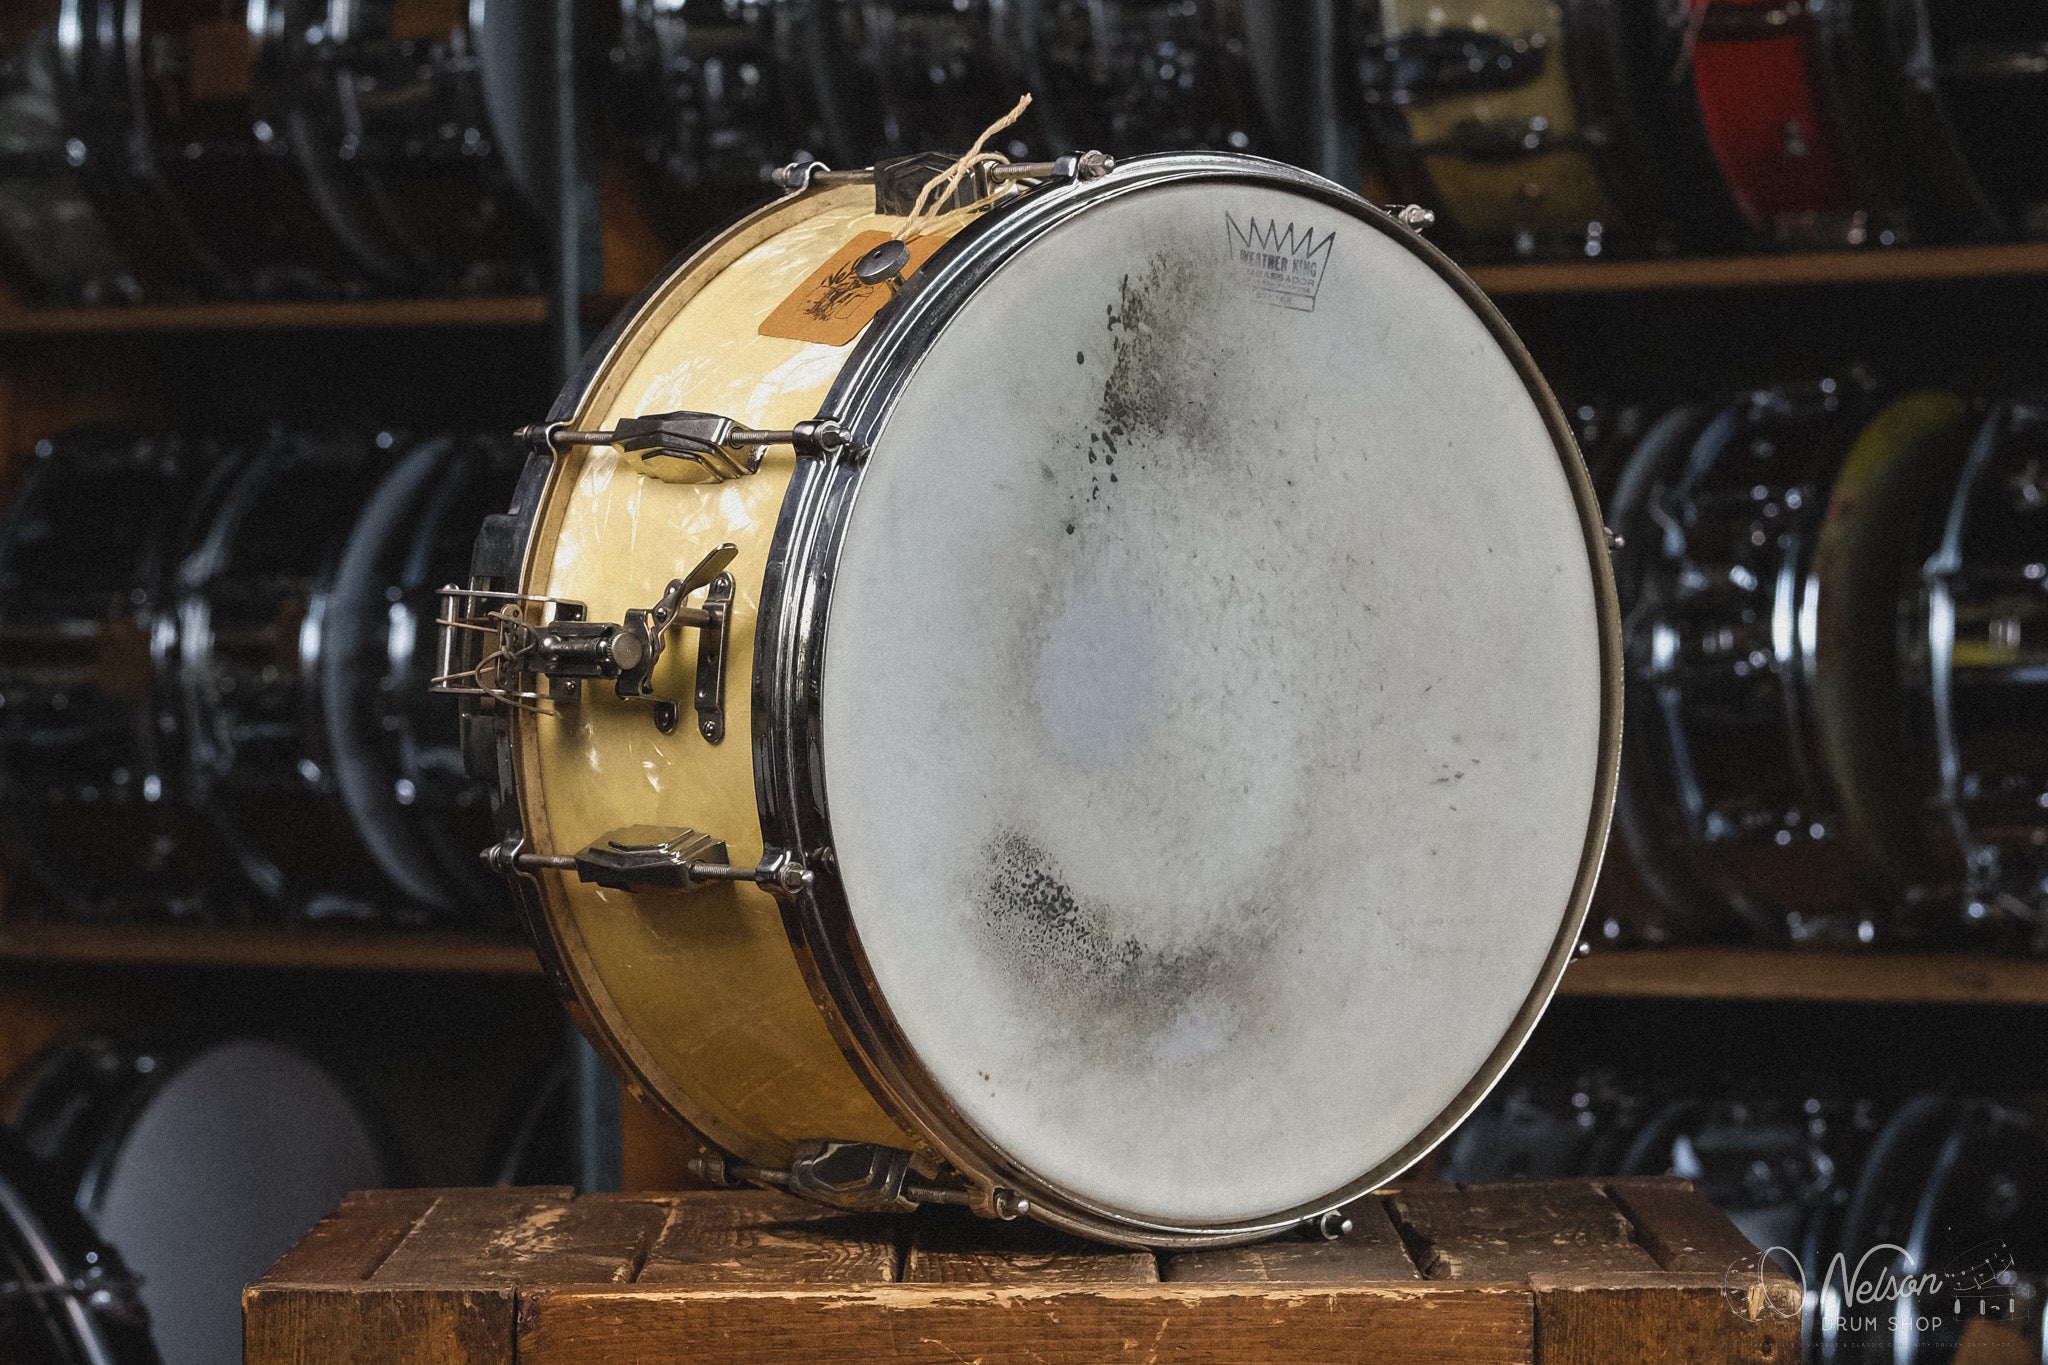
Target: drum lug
{"points": [[1414, 217], [716, 448], [659, 858], [864, 1177]]}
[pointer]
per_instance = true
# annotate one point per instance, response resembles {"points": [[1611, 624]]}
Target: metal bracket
{"points": [[654, 857], [567, 648], [715, 447], [897, 181], [865, 1177]]}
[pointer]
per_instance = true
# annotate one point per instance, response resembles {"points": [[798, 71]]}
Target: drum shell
{"points": [[699, 1001], [250, 1140], [394, 749], [1507, 163], [1728, 804], [42, 1240], [171, 85], [402, 84], [58, 247], [872, 81], [1972, 666], [1774, 131], [94, 777], [253, 592]]}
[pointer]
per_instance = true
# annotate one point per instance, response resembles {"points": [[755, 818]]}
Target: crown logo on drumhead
{"points": [[1283, 262]]}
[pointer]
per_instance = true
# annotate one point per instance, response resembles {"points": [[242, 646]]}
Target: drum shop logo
{"points": [[1881, 1293], [1283, 263]]}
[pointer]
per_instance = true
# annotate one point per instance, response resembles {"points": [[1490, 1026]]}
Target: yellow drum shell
{"points": [[1553, 194], [698, 995]]}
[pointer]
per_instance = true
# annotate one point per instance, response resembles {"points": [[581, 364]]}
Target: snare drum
{"points": [[65, 1296], [169, 107], [57, 247], [91, 750], [1727, 804], [1473, 108], [1976, 662], [202, 1165], [1125, 736]]}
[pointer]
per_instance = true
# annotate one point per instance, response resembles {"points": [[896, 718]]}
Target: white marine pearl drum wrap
{"points": [[1211, 711]]}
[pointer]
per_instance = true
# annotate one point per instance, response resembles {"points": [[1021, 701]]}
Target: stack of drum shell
{"points": [[1835, 601], [1583, 127], [213, 688], [170, 149], [1949, 1190]]}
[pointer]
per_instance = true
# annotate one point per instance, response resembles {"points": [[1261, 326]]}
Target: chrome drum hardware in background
{"points": [[1836, 602], [215, 658]]}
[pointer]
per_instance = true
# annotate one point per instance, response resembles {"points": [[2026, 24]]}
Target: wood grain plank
{"points": [[465, 1238], [305, 1325], [1678, 1227], [948, 1246], [1372, 1252], [1424, 1324], [1511, 1230], [759, 1237], [1773, 974], [349, 1244], [1654, 1319]]}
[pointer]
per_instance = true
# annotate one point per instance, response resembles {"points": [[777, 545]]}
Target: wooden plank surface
{"points": [[952, 1247], [1766, 974], [1655, 1319], [1511, 1231], [1565, 1272], [1042, 1324], [336, 949], [1776, 270], [759, 1238], [1371, 1252]]}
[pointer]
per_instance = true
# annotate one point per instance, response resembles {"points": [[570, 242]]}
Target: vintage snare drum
{"points": [[202, 1165], [1777, 117], [699, 100], [1474, 110], [91, 745], [1977, 663], [1973, 81], [1144, 75], [395, 753], [881, 78], [56, 245], [420, 109], [1727, 804], [1108, 704], [168, 93]]}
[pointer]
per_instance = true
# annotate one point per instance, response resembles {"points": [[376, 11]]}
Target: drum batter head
{"points": [[1212, 709]]}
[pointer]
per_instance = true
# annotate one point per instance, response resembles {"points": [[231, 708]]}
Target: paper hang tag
{"points": [[833, 305]]}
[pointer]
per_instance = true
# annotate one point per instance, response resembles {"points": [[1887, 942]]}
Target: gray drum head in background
{"points": [[229, 1163], [1212, 703]]}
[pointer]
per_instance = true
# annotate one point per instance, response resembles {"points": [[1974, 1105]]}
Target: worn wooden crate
{"points": [[1566, 1272]]}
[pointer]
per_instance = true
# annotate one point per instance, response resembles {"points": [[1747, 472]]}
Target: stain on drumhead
{"points": [[1117, 991]]}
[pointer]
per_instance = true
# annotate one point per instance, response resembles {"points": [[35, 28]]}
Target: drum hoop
{"points": [[790, 635]]}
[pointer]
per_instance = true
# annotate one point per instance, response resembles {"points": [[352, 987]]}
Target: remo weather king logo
{"points": [[1282, 262]]}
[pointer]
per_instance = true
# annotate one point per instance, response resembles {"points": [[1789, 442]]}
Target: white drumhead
{"points": [[1212, 703], [227, 1165]]}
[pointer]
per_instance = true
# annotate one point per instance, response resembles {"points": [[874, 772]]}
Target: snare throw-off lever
{"points": [[549, 637]]}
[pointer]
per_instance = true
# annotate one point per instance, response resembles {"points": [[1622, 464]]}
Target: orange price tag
{"points": [[833, 305]]}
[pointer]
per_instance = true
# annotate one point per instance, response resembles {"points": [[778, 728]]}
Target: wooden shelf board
{"points": [[192, 945], [511, 311], [1875, 266], [1761, 974]]}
